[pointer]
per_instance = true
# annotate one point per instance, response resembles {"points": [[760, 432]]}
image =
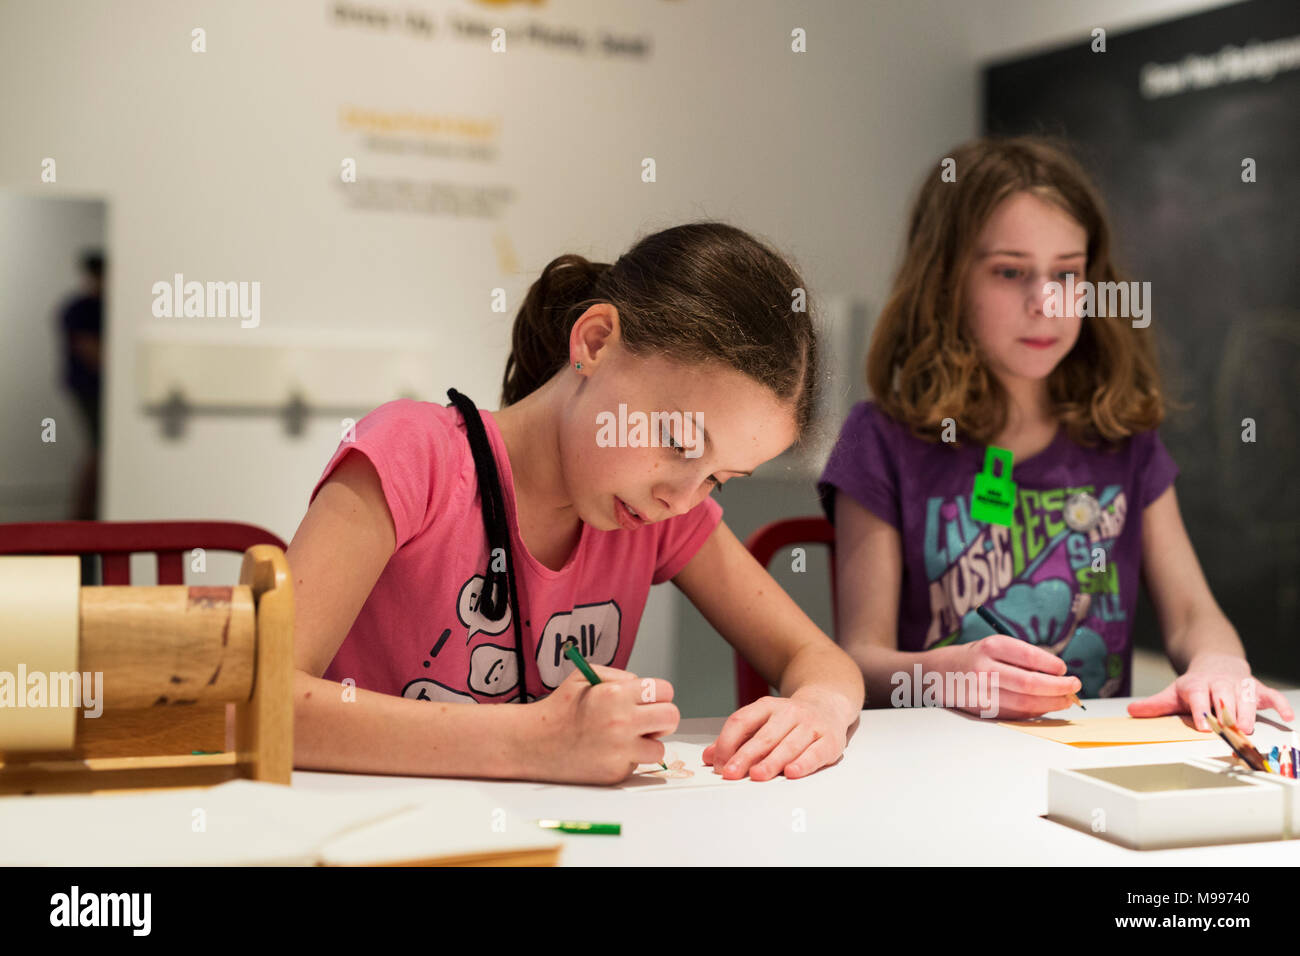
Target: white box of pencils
{"points": [[1290, 789], [1159, 806]]}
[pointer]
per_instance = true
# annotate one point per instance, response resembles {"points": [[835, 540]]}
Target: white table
{"points": [[915, 787]]}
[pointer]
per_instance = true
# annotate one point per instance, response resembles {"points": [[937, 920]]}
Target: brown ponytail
{"points": [[539, 345], [697, 293]]}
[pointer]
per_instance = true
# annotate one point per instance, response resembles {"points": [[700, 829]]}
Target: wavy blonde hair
{"points": [[923, 365]]}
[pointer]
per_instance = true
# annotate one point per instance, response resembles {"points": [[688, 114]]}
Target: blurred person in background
{"points": [[81, 320]]}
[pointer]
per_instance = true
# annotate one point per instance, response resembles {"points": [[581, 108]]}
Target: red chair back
{"points": [[763, 544], [116, 541]]}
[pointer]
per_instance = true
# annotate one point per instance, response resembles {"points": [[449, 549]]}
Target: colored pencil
{"points": [[1240, 746]]}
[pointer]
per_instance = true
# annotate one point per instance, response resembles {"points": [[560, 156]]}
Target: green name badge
{"points": [[994, 496]]}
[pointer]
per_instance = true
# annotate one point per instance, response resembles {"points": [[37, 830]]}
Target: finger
{"points": [[1157, 705], [655, 719], [1196, 699], [1269, 698], [739, 727], [1012, 650], [816, 755], [791, 746], [608, 673], [646, 750], [1031, 682], [762, 743], [1245, 706], [653, 690], [1009, 705], [1224, 699]]}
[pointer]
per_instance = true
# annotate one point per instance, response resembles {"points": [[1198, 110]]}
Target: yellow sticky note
{"points": [[1111, 731]]}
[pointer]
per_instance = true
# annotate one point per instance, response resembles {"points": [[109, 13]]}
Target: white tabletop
{"points": [[915, 787]]}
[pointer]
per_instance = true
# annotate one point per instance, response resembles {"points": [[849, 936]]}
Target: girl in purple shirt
{"points": [[976, 347]]}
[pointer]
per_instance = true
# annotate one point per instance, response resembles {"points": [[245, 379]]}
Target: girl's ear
{"points": [[595, 330]]}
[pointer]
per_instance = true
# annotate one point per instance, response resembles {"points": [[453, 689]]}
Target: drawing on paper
{"points": [[676, 771]]}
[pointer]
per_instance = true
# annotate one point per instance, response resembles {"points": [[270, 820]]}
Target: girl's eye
{"points": [[1009, 273], [672, 443], [1063, 276]]}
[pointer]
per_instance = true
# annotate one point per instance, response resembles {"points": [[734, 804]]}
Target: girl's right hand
{"points": [[1030, 681], [599, 733]]}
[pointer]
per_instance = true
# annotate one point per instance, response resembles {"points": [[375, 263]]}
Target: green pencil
{"points": [[580, 826], [572, 653]]}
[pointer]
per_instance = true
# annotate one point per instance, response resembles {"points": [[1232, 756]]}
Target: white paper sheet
{"points": [[237, 823]]}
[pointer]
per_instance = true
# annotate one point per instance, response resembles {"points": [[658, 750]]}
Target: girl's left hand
{"points": [[1212, 680], [774, 735]]}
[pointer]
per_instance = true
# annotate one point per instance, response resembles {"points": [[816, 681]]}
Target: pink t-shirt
{"points": [[420, 634]]}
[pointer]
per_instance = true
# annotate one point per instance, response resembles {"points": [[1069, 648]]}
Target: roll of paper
{"points": [[40, 689]]}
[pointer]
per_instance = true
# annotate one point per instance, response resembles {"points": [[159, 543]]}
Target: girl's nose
{"points": [[1040, 292], [676, 497]]}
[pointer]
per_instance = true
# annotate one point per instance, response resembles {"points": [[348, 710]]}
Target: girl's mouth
{"points": [[627, 518], [1039, 343]]}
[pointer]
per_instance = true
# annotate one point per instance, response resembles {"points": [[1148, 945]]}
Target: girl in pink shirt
{"points": [[632, 391]]}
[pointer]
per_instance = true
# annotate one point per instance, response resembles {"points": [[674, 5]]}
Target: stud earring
{"points": [[578, 366]]}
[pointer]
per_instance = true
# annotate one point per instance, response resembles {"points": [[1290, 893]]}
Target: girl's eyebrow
{"points": [[1025, 255], [708, 443]]}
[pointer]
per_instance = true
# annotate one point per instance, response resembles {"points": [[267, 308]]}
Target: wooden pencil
{"points": [[1239, 744]]}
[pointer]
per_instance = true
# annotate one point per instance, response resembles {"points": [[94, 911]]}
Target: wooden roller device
{"points": [[177, 662]]}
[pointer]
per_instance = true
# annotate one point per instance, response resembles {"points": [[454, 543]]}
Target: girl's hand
{"points": [[598, 733], [1215, 682], [1030, 681], [775, 735]]}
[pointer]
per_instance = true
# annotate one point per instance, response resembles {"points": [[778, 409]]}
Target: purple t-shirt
{"points": [[1064, 575]]}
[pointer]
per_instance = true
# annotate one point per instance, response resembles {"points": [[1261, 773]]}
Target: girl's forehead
{"points": [[1023, 216], [722, 394]]}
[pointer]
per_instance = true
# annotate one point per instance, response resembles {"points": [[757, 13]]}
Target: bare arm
{"points": [[1190, 618], [1202, 644], [868, 582], [336, 556], [755, 615]]}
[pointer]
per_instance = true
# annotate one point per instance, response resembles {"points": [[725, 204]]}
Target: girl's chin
{"points": [[597, 520], [1031, 371]]}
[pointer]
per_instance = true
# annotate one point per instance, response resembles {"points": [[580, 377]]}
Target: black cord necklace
{"points": [[499, 590]]}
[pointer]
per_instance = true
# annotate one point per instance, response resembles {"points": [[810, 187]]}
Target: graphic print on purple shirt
{"points": [[1072, 592], [1057, 588]]}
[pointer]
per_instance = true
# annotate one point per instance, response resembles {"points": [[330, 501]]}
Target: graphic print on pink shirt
{"points": [[493, 669], [422, 634]]}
